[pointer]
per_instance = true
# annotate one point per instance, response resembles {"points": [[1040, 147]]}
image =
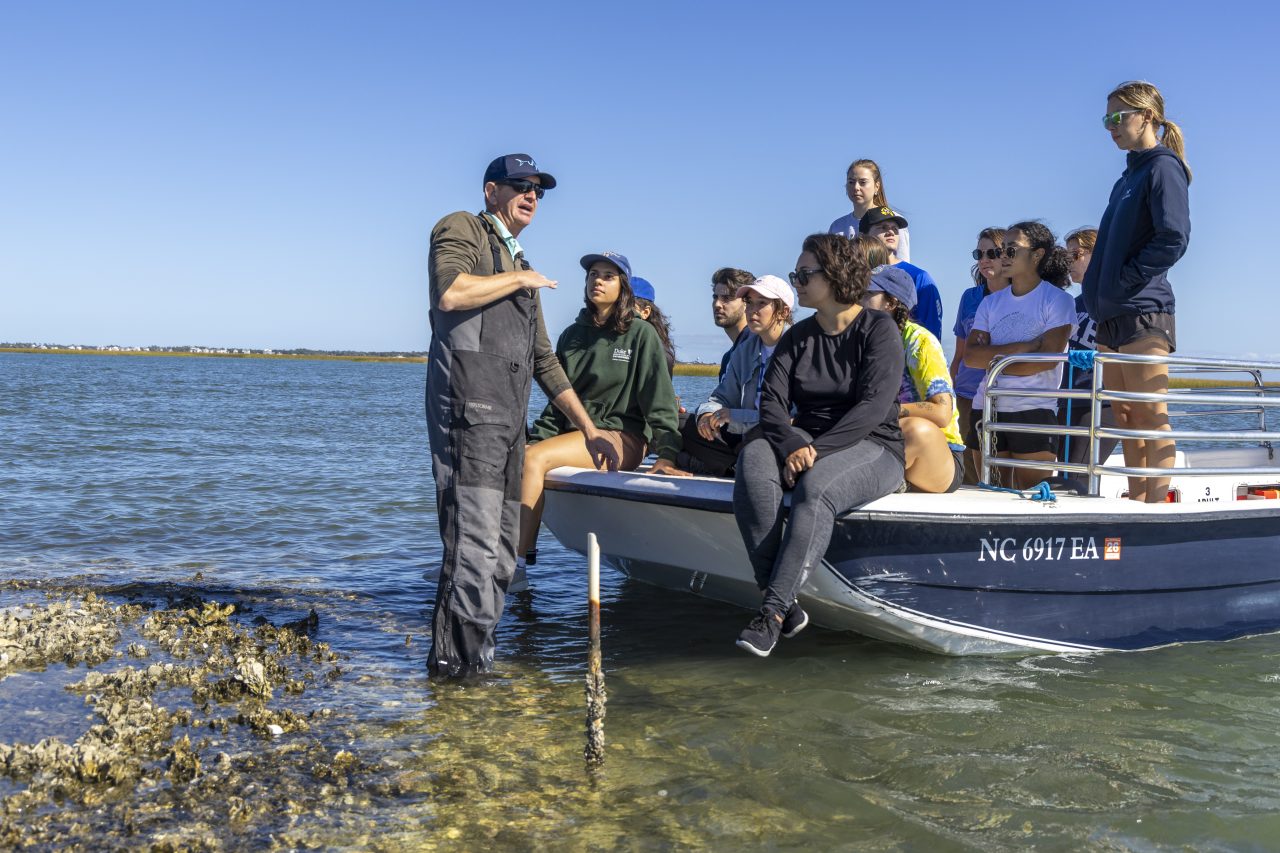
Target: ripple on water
{"points": [[288, 486]]}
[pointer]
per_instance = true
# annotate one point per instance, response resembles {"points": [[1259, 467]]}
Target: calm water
{"points": [[290, 485]]}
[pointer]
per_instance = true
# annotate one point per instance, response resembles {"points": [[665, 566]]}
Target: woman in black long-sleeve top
{"points": [[840, 369]]}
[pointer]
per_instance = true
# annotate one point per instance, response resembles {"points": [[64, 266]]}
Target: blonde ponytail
{"points": [[1141, 95], [1172, 139]]}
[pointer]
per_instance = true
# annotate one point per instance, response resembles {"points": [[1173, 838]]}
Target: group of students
{"points": [[858, 400]]}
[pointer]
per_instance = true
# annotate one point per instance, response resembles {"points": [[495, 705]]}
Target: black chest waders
{"points": [[478, 380]]}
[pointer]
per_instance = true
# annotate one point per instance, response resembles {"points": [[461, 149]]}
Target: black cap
{"points": [[876, 215], [516, 166]]}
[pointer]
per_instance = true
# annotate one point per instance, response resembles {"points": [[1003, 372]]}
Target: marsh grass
{"points": [[681, 369]]}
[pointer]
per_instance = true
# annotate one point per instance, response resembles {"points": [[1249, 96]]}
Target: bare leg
{"points": [[1024, 478], [1113, 379], [930, 465], [965, 408], [566, 449], [1150, 379]]}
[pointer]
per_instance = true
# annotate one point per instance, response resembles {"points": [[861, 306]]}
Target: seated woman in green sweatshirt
{"points": [[618, 368]]}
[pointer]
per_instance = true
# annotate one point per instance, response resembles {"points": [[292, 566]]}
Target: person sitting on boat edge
{"points": [[616, 365], [648, 310], [840, 370], [965, 379], [1034, 314], [712, 437], [727, 308], [926, 404], [885, 224]]}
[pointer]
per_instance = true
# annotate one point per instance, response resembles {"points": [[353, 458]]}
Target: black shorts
{"points": [[1017, 442], [1128, 328], [959, 475]]}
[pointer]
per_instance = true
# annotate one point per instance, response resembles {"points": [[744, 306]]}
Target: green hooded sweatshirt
{"points": [[623, 383]]}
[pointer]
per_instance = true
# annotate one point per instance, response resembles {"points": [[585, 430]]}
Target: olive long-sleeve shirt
{"points": [[463, 242]]}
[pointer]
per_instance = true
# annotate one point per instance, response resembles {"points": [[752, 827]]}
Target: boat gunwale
{"points": [[1169, 513]]}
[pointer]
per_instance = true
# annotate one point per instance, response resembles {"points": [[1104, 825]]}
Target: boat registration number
{"points": [[1044, 549]]}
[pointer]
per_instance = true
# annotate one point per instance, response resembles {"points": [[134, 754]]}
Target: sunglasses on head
{"points": [[800, 278], [1111, 120], [991, 254], [521, 187]]}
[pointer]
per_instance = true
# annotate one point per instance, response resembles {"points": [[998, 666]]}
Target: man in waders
{"points": [[488, 342]]}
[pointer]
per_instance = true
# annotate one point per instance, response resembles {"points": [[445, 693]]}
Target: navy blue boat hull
{"points": [[1120, 582]]}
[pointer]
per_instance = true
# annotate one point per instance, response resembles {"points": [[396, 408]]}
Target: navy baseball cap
{"points": [[642, 289], [515, 166], [895, 282], [619, 261], [876, 215]]}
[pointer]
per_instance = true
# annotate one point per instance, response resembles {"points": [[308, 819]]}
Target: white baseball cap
{"points": [[771, 287]]}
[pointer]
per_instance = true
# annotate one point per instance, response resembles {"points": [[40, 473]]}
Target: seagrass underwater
{"points": [[171, 524]]}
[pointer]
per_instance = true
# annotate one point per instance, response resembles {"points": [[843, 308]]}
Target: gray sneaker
{"points": [[795, 621], [761, 635]]}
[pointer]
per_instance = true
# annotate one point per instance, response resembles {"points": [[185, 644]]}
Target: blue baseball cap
{"points": [[514, 166], [895, 282], [642, 289], [619, 261]]}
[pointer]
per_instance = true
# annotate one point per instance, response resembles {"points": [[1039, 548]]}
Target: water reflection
{"points": [[290, 486]]}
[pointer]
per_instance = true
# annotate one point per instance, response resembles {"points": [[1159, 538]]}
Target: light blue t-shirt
{"points": [[513, 246], [968, 378]]}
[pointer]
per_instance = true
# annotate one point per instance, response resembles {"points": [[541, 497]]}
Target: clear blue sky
{"points": [[267, 174]]}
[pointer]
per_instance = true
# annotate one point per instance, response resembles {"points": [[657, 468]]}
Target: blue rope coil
{"points": [[1077, 359], [1041, 492], [1081, 359]]}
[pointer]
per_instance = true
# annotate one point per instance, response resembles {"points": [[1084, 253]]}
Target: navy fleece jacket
{"points": [[1144, 231]]}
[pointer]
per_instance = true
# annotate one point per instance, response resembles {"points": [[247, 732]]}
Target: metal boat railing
{"points": [[1241, 401]]}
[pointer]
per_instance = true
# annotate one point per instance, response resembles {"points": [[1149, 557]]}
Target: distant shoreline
{"points": [[681, 369]]}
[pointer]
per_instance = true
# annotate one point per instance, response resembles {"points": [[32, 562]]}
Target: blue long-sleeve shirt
{"points": [[1143, 233]]}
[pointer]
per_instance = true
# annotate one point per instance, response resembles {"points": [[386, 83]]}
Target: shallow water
{"points": [[285, 486]]}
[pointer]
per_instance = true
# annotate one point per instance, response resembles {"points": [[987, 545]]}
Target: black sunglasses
{"points": [[522, 187], [800, 278], [991, 254], [1011, 251]]}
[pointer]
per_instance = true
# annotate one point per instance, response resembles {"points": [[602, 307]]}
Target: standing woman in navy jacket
{"points": [[1143, 233]]}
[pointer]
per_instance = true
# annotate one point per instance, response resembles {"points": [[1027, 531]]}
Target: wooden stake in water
{"points": [[596, 699]]}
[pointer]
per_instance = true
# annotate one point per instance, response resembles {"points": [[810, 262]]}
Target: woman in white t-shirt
{"points": [[864, 188], [1035, 314]]}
